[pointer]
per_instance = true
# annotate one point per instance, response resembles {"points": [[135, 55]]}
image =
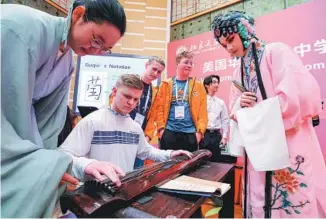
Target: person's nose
{"points": [[132, 102], [155, 73], [94, 51]]}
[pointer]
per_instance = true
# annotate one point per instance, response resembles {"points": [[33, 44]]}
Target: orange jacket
{"points": [[197, 101], [150, 118]]}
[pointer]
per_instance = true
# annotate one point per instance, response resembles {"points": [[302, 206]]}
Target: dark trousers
{"points": [[178, 141], [211, 142]]}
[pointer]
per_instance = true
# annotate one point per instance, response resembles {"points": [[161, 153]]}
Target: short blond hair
{"points": [[183, 52], [156, 59], [131, 81]]}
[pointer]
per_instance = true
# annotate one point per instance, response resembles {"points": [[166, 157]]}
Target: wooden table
{"points": [[186, 206]]}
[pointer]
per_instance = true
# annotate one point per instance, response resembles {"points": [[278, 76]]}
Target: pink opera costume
{"points": [[298, 190]]}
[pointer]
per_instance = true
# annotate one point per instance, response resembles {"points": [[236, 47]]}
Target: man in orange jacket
{"points": [[144, 112], [182, 107]]}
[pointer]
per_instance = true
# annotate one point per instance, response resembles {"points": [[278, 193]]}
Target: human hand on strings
{"points": [[102, 169], [248, 99], [71, 181], [181, 152]]}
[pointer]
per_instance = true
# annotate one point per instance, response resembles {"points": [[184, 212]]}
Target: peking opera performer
{"points": [[297, 190]]}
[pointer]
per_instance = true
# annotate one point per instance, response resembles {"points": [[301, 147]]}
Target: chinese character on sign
{"points": [[302, 49], [234, 62], [201, 45], [208, 44], [208, 66], [94, 88], [192, 48], [216, 44], [220, 64], [320, 46]]}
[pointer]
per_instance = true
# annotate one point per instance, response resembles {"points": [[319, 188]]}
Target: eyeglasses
{"points": [[98, 44]]}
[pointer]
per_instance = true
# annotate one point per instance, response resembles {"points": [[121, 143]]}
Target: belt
{"points": [[213, 130]]}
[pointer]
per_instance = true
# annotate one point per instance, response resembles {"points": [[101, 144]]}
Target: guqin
{"points": [[101, 198]]}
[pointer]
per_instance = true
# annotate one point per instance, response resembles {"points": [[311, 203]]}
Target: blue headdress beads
{"points": [[234, 22]]}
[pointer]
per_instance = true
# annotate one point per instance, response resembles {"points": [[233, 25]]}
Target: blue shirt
{"points": [[186, 124]]}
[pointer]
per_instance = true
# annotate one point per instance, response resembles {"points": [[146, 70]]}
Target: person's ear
{"points": [[77, 14], [114, 91]]}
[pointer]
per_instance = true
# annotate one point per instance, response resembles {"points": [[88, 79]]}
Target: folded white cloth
{"points": [[263, 134]]}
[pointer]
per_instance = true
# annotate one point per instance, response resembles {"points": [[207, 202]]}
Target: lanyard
{"points": [[176, 91], [146, 101]]}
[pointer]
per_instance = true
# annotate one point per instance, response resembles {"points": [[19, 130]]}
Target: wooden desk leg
{"points": [[228, 199]]}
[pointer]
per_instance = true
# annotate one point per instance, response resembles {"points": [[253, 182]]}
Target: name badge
{"points": [[179, 112], [139, 119]]}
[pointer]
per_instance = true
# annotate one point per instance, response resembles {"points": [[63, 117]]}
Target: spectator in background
{"points": [[218, 120], [182, 108]]}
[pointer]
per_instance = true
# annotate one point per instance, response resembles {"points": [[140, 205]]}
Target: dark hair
{"points": [[100, 11], [209, 79]]}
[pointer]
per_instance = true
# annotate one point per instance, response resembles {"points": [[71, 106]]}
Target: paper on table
{"points": [[192, 184]]}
